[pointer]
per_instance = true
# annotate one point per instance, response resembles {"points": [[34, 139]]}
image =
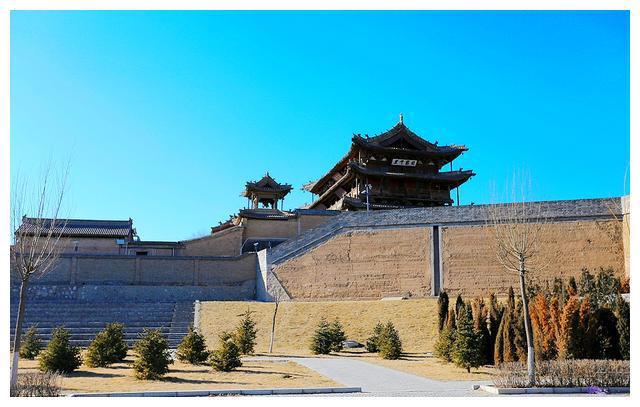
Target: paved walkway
{"points": [[381, 381]]}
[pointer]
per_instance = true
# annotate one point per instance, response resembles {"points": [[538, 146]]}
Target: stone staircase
{"points": [[85, 319]]}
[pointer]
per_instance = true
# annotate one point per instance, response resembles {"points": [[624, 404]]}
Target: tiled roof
{"points": [[272, 214], [400, 131], [453, 177], [78, 227], [266, 184]]}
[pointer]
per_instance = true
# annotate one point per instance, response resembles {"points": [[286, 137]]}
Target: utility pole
{"points": [[457, 188], [367, 188]]}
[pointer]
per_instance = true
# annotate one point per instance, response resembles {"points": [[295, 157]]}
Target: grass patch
{"points": [[252, 375], [416, 321]]}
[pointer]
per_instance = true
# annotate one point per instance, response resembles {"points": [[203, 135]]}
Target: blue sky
{"points": [[165, 115]]}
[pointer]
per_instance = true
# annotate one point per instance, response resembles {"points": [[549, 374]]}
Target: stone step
{"points": [[96, 307], [127, 335], [84, 344], [93, 324], [162, 327], [51, 314], [64, 320], [85, 320]]}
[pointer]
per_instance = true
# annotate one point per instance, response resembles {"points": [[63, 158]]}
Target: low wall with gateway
{"points": [[113, 277], [419, 252]]}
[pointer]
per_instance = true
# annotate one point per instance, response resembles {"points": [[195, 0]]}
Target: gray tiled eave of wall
{"points": [[567, 210]]}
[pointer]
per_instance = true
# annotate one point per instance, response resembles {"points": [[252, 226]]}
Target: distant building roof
{"points": [[272, 214], [266, 184], [401, 137], [78, 227]]}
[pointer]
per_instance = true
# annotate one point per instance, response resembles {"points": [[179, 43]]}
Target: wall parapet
{"points": [[100, 269], [583, 233], [470, 215]]}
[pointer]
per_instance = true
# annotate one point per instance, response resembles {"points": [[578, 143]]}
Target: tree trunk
{"points": [[531, 367], [18, 332], [273, 328]]}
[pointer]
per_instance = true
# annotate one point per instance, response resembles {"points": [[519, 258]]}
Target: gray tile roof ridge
{"points": [[451, 215]]}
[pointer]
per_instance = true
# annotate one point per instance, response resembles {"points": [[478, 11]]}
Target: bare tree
{"points": [[277, 298], [36, 240], [517, 228]]}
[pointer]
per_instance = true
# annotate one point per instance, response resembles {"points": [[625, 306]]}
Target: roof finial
{"points": [[401, 119]]}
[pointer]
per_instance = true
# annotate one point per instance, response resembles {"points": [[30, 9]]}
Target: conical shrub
{"points": [[193, 348], [31, 345], [245, 334], [389, 344], [60, 356], [107, 347], [226, 357], [153, 357]]}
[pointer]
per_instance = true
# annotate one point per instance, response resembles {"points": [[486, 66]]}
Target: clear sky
{"points": [[165, 115]]}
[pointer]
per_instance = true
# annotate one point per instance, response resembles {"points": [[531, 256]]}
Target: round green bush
{"points": [[108, 347]]}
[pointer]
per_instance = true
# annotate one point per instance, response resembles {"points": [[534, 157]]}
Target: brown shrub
{"points": [[565, 373], [37, 384]]}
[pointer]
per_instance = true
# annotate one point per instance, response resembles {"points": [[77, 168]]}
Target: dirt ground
{"points": [[252, 375], [415, 320]]}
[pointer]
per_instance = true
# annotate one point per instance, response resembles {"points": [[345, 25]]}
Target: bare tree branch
{"points": [[36, 240]]}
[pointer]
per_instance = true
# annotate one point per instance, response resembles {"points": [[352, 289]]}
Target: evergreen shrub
{"points": [[193, 348], [31, 345], [389, 344], [60, 356], [153, 357], [226, 357], [372, 342], [108, 347], [245, 334], [467, 352], [337, 335], [322, 341]]}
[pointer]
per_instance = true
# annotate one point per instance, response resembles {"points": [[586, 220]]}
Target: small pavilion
{"points": [[266, 193]]}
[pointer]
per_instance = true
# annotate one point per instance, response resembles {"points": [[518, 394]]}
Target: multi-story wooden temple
{"points": [[396, 169]]}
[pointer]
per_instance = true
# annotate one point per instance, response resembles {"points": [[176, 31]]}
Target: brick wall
{"points": [[470, 267], [310, 221], [207, 277], [261, 228], [223, 243], [359, 265], [391, 261]]}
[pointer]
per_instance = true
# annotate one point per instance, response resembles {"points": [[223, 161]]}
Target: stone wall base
{"points": [[138, 293]]}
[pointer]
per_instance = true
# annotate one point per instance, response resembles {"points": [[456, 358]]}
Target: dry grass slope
{"points": [[416, 320], [252, 375]]}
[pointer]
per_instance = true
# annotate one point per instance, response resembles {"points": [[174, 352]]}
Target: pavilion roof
{"points": [[265, 184]]}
